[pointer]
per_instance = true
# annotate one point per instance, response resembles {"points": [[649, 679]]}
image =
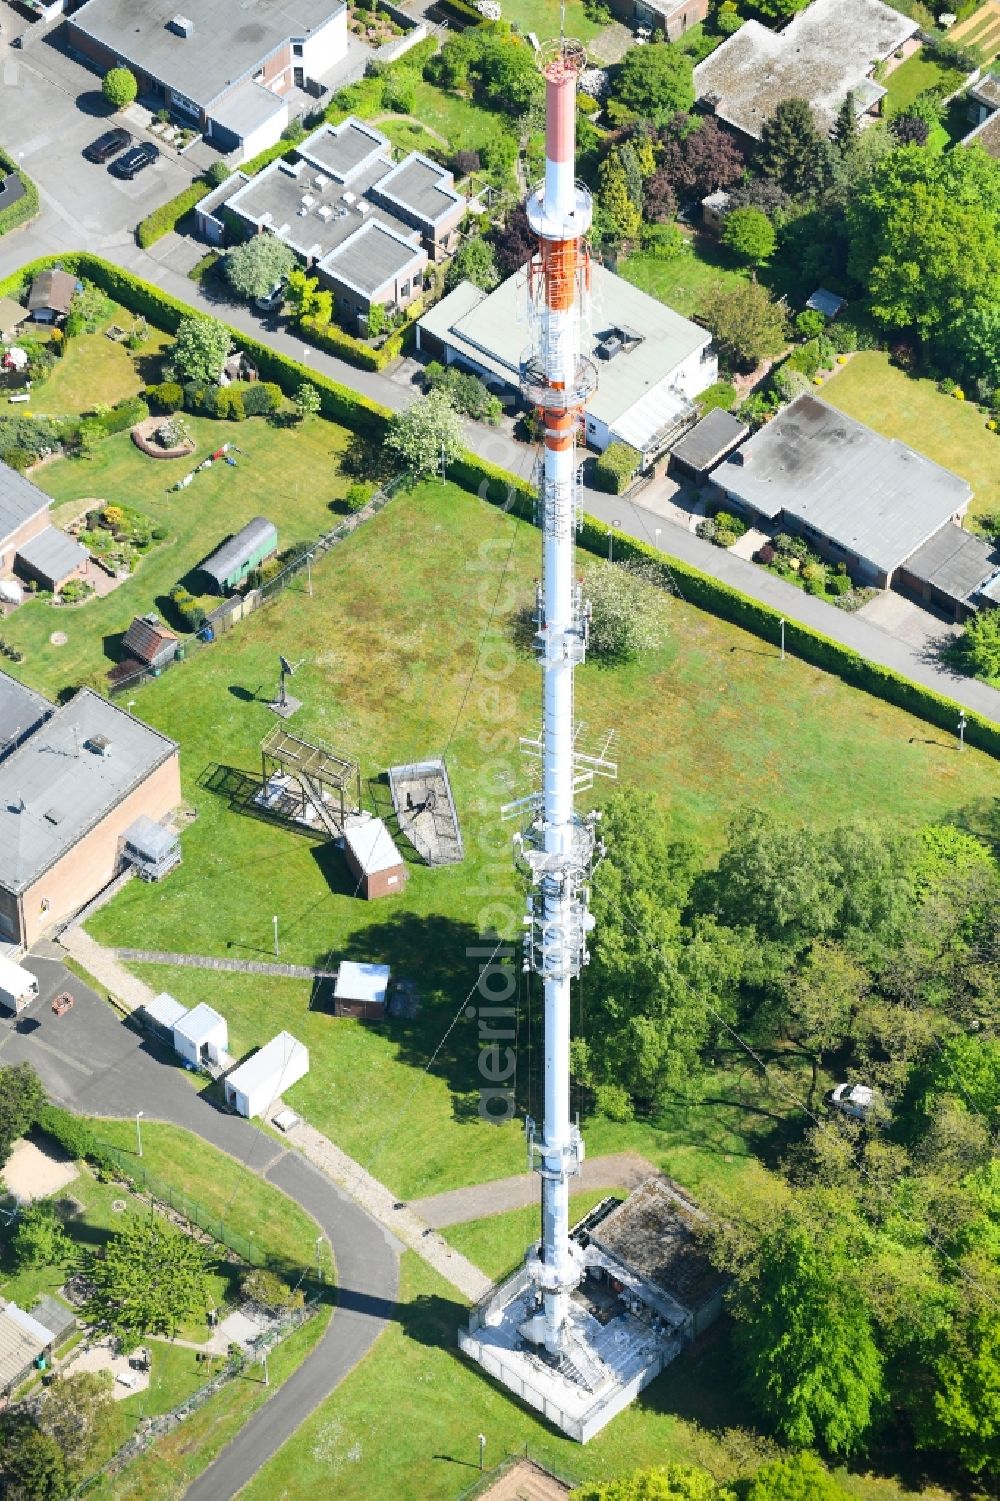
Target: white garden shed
{"points": [[253, 1087], [201, 1036]]}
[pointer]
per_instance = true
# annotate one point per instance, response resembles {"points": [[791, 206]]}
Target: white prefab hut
{"points": [[201, 1036], [162, 1014], [257, 1083]]}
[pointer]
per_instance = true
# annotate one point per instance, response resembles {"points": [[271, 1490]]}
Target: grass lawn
{"points": [[404, 1424], [542, 17], [950, 432], [687, 278], [221, 1185], [711, 722], [291, 475], [911, 78], [96, 370]]}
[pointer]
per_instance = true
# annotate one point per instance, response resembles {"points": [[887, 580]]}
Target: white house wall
{"points": [[695, 374], [326, 47], [265, 135]]}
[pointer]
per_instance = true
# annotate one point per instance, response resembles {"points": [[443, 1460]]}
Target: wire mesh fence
{"points": [[489, 1478]]}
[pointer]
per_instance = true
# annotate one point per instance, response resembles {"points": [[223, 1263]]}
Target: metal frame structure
{"points": [[325, 779]]}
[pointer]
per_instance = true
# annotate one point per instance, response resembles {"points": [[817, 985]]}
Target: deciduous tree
{"points": [[475, 262], [514, 243], [427, 436], [31, 1463], [74, 1412], [664, 1483], [254, 268], [201, 349], [700, 158], [147, 1279], [797, 1477], [21, 1098], [750, 233], [654, 82], [307, 400], [39, 1238], [747, 323]]}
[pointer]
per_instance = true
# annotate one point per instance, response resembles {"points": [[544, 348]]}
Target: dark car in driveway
{"points": [[107, 145], [135, 160]]}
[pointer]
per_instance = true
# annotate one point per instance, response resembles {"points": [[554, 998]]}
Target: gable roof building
{"points": [[984, 113], [21, 712], [51, 294], [149, 641], [651, 362], [826, 51], [51, 557], [24, 512], [868, 501]]}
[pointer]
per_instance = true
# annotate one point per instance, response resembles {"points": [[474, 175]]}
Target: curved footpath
{"points": [[92, 1064]]}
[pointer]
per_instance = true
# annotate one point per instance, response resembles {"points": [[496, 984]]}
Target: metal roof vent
{"points": [[181, 26], [100, 745]]}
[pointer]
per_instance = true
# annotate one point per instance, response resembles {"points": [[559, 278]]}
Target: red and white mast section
{"points": [[558, 848]]}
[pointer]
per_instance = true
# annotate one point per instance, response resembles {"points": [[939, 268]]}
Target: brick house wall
{"points": [[381, 882], [276, 72], [71, 882], [9, 545]]}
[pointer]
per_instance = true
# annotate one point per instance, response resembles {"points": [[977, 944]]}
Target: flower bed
{"points": [[144, 437]]}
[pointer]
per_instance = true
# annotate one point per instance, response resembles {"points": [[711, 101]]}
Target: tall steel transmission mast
{"points": [[558, 849]]}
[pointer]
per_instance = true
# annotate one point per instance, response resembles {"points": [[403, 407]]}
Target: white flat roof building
{"points": [[164, 1011], [253, 1087], [651, 362], [360, 987]]}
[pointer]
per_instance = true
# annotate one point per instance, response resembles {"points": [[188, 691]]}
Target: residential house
{"points": [[670, 18], [239, 73], [366, 227], [651, 363], [827, 51], [857, 498]]}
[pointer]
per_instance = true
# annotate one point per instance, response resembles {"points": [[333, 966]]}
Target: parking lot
{"points": [[51, 107]]}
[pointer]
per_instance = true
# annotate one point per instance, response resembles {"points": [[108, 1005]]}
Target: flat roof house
{"points": [[67, 796], [826, 51], [366, 227], [232, 69], [860, 499], [230, 564], [650, 361], [253, 1088], [24, 512]]}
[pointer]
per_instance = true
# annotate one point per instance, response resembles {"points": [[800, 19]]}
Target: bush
{"points": [[616, 467], [614, 1102], [810, 323], [805, 359], [838, 583], [167, 397], [229, 404], [722, 394], [358, 496], [167, 217], [124, 415], [119, 87], [187, 608], [260, 398], [727, 522], [270, 1291]]}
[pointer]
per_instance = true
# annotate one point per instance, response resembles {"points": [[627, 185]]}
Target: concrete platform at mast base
{"points": [[620, 1358]]}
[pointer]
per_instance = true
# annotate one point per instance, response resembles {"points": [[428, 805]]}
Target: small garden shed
{"points": [[361, 990], [201, 1036], [372, 857], [52, 559]]}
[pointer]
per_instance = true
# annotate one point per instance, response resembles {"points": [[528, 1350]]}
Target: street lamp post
{"points": [[319, 1252], [611, 540], [781, 622], [658, 531], [482, 1450], [962, 722], [275, 921], [138, 1130], [130, 704], [309, 572]]}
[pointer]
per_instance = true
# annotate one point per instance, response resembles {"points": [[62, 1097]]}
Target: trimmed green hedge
{"points": [[74, 1136], [355, 351], [167, 217], [458, 10], [25, 208], [616, 467], [502, 489]]}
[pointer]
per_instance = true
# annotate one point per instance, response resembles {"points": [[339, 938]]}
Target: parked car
{"points": [[135, 160], [62, 1003], [854, 1100], [108, 145], [272, 301]]}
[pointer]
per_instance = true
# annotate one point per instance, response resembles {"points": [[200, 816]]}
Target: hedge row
{"points": [[501, 488], [458, 10], [26, 207], [74, 1136], [167, 217], [335, 341]]}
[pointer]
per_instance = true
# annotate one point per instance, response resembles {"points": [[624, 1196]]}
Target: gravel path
{"points": [[624, 1170]]}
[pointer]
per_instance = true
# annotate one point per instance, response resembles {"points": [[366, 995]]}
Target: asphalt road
{"points": [[91, 1063]]}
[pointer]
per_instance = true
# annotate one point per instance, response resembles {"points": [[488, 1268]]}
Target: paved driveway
{"points": [[908, 621], [50, 109], [91, 1062]]}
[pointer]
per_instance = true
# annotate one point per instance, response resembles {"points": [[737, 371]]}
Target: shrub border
{"points": [[501, 488], [27, 206]]}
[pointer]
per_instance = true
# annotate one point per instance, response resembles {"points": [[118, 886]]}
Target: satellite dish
{"points": [[286, 666]]}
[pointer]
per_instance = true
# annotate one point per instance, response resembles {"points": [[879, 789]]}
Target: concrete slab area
{"points": [[908, 621]]}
